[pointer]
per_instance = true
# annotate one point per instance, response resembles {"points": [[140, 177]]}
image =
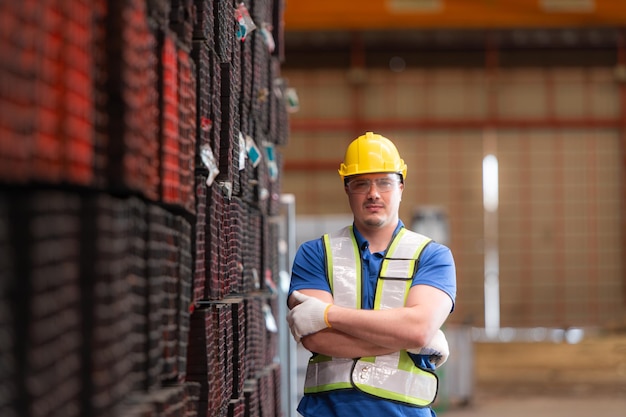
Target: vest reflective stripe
{"points": [[382, 380], [396, 273], [340, 267], [333, 375], [394, 376]]}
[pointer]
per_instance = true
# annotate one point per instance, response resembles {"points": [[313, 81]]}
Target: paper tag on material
{"points": [[270, 321], [272, 166], [242, 152], [291, 100], [266, 31], [208, 159], [246, 24], [254, 153]]}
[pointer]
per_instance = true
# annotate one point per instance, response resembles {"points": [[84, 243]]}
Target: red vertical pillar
{"points": [[621, 62]]}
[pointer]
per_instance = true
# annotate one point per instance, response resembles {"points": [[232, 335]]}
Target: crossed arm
{"points": [[357, 333]]}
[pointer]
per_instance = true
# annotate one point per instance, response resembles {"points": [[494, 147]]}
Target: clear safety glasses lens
{"points": [[362, 186]]}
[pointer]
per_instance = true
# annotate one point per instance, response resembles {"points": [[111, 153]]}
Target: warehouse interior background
{"points": [[540, 86], [160, 161]]}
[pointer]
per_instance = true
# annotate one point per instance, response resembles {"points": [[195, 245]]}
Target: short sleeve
{"points": [[436, 268], [308, 271]]}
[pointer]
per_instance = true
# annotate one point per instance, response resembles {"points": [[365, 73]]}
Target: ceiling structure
{"points": [[452, 14], [453, 32]]}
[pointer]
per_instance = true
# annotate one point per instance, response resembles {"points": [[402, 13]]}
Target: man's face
{"points": [[375, 199]]}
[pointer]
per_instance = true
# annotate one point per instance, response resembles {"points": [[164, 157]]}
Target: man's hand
{"points": [[308, 317], [437, 349]]}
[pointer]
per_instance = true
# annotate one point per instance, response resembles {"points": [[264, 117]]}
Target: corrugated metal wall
{"points": [[557, 137]]}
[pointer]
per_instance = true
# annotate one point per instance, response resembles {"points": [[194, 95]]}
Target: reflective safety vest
{"points": [[394, 376]]}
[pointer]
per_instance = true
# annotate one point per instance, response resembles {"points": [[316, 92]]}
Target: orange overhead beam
{"points": [[451, 14]]}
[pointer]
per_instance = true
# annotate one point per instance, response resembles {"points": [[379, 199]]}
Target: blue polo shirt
{"points": [[436, 268]]}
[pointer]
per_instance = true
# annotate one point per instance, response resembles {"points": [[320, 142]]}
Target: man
{"points": [[369, 300]]}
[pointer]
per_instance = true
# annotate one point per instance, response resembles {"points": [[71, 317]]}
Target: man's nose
{"points": [[372, 189]]}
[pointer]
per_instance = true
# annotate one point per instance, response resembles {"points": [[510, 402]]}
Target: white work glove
{"points": [[308, 317], [437, 349]]}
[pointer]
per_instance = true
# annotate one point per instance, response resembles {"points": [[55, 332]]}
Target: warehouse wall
{"points": [[556, 131], [136, 247]]}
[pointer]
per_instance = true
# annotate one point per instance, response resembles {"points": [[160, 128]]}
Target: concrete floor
{"points": [[540, 406], [547, 379]]}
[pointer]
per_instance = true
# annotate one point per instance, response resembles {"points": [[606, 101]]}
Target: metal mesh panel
{"points": [[107, 307], [187, 128], [131, 100], [181, 21], [201, 55], [8, 280], [201, 241], [204, 22], [53, 330], [138, 287], [184, 294], [216, 287], [201, 363], [224, 29], [170, 144], [251, 394]]}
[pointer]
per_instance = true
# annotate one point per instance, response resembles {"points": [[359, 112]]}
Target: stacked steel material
{"points": [[237, 408], [187, 127], [169, 401], [233, 259], [252, 258], [222, 319], [276, 380], [206, 88], [106, 302], [251, 395], [77, 82], [201, 357], [256, 346], [46, 106], [271, 338], [169, 295], [192, 390], [100, 94], [134, 211], [200, 242], [267, 392], [245, 73], [131, 107], [156, 239], [170, 145], [216, 285], [184, 290], [237, 305], [241, 350], [261, 87], [204, 22], [8, 376], [50, 317], [138, 287], [181, 21]]}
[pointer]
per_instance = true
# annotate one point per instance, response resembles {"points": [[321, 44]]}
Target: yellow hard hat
{"points": [[371, 153]]}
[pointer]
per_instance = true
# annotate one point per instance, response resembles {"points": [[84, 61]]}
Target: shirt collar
{"points": [[360, 240]]}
